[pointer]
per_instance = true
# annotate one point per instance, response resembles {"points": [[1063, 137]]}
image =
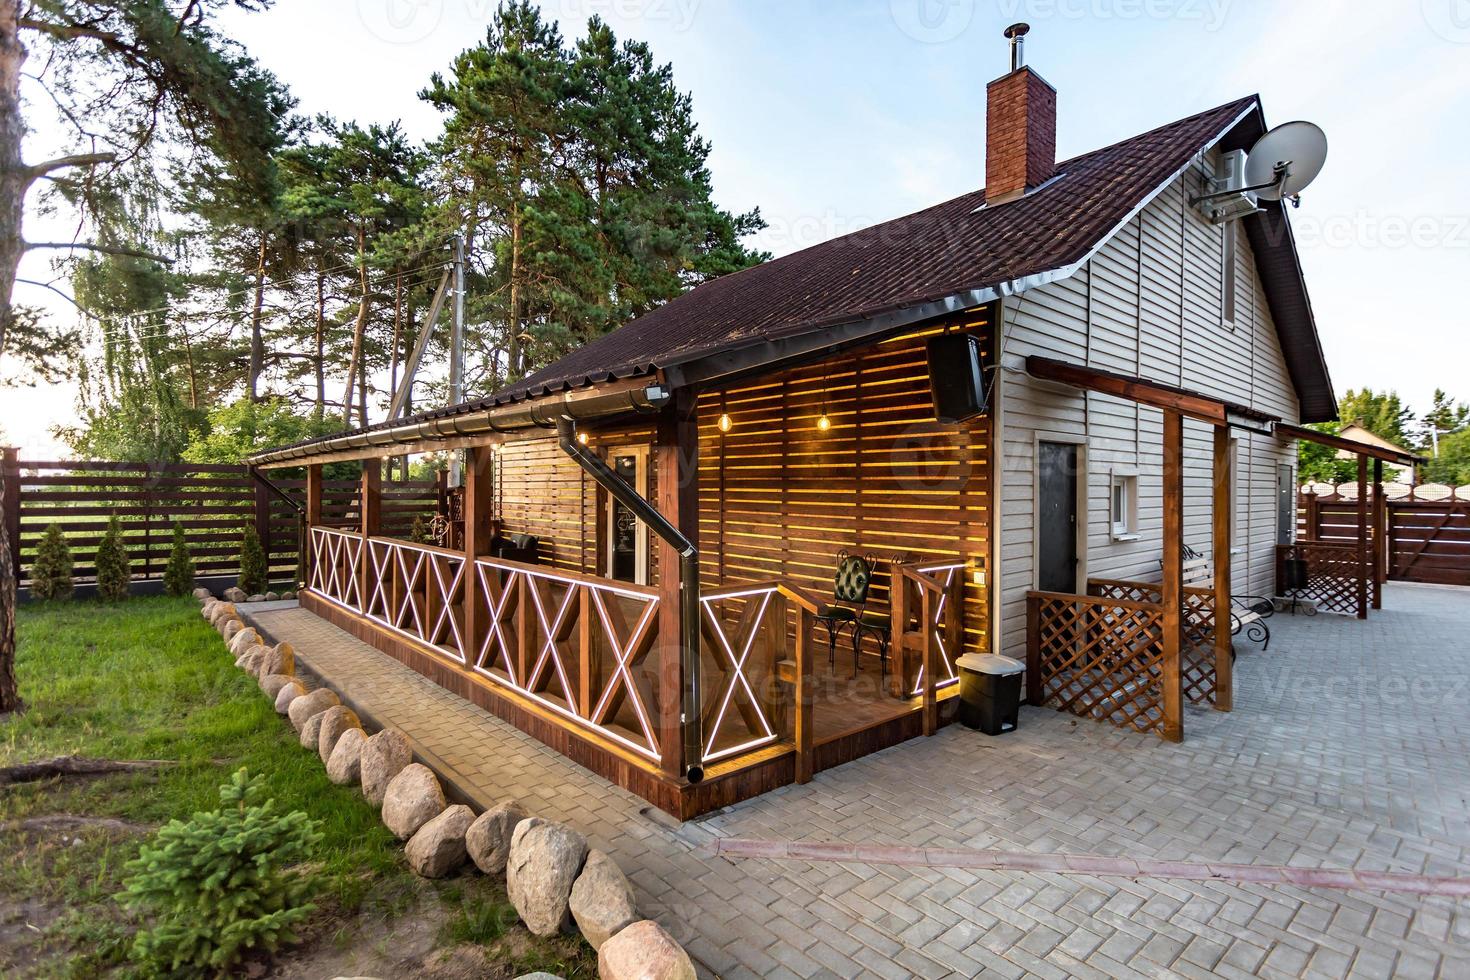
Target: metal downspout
{"points": [[691, 723]]}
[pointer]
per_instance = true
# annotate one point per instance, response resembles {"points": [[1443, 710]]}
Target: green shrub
{"points": [[252, 563], [114, 570], [51, 571], [178, 577], [220, 884]]}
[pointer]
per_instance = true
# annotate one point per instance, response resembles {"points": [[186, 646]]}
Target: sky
{"points": [[830, 115]]}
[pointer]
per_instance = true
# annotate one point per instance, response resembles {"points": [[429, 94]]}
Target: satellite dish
{"points": [[1286, 160]]}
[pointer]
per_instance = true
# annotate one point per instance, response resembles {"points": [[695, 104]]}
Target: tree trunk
{"points": [[13, 179], [397, 332], [13, 184], [357, 329], [513, 341], [319, 359], [257, 342]]}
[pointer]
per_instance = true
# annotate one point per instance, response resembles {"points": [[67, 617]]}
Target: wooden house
{"points": [[691, 479]]}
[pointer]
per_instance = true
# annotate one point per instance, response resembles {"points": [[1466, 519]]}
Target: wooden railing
{"points": [[576, 644], [926, 610], [580, 646], [1196, 649], [1096, 657]]}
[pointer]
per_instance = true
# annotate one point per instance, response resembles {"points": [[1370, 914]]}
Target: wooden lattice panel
{"points": [[1100, 658], [1197, 646], [1333, 573]]}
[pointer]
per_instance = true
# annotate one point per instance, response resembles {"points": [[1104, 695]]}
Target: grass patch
{"points": [[150, 679]]}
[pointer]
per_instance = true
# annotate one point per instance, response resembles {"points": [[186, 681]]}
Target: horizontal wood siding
{"points": [[1149, 303], [778, 497]]}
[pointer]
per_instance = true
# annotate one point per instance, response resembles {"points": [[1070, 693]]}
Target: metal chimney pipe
{"points": [[1016, 34]]}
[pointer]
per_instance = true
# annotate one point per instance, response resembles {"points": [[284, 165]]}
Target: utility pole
{"points": [[456, 351]]}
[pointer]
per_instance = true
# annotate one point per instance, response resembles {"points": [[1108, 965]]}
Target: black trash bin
{"points": [[990, 692]]}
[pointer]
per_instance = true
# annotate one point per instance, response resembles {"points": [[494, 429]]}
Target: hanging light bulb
{"points": [[582, 438], [724, 423], [824, 423]]}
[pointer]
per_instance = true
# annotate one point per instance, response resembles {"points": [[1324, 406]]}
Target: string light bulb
{"points": [[824, 423], [724, 422], [582, 438]]}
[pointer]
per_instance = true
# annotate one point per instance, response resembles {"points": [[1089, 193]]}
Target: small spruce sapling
{"points": [[178, 577], [114, 570], [252, 563], [222, 883], [51, 572]]}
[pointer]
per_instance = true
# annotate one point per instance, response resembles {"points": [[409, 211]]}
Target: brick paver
{"points": [[1347, 749]]}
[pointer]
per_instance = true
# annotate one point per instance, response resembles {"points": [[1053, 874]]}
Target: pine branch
{"points": [[105, 249], [74, 160]]}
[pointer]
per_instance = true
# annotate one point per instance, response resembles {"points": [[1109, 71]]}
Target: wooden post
{"points": [[929, 637], [1172, 586], [802, 733], [10, 506], [1362, 536], [263, 521], [478, 530], [677, 456], [1033, 651], [1379, 513], [370, 511], [313, 518], [1224, 514]]}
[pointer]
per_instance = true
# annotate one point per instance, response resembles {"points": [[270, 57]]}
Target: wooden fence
{"points": [[213, 503], [1427, 528]]}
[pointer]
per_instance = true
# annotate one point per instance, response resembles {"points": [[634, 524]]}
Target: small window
{"points": [[1123, 506], [1227, 274]]}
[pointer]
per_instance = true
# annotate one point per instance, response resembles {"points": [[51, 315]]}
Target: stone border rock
{"points": [[555, 881]]}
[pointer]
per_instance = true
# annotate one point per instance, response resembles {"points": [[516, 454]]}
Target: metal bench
{"points": [[1248, 613]]}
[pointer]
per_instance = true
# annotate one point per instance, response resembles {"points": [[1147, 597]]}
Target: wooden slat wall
{"points": [[780, 498], [212, 502]]}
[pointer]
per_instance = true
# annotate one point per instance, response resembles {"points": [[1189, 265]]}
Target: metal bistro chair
{"points": [[848, 611]]}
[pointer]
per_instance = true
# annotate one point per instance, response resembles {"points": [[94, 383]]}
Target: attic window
{"points": [[1227, 274]]}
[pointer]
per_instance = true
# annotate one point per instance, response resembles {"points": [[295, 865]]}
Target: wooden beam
{"points": [[1172, 586], [1363, 557], [478, 530], [1285, 430], [1139, 390], [1380, 507], [677, 461], [10, 505], [1224, 515]]}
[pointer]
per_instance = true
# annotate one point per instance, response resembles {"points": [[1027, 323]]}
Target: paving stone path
{"points": [[1349, 749]]}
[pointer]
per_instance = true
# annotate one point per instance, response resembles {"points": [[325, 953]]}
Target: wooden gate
{"points": [[1427, 535]]}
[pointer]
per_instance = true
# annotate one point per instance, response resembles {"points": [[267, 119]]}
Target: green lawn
{"points": [[150, 679]]}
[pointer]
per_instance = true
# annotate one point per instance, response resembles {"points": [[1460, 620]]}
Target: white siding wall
{"points": [[1149, 303]]}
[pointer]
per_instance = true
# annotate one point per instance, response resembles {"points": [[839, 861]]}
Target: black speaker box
{"points": [[956, 380]]}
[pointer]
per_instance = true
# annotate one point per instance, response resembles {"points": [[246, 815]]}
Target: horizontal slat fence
{"points": [[1427, 533], [213, 503]]}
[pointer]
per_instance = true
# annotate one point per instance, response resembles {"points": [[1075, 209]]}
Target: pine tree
{"points": [[178, 577], [114, 570], [252, 563], [220, 884], [418, 534], [51, 571]]}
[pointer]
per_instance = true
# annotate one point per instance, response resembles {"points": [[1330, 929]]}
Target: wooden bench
{"points": [[1247, 612]]}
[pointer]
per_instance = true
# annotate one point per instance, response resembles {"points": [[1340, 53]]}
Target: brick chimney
{"points": [[1020, 128]]}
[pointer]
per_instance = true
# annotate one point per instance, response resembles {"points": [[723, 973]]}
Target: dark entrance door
{"points": [[1285, 504], [1056, 517]]}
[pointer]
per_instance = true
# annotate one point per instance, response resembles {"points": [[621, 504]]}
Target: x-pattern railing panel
{"points": [[1102, 658], [572, 643], [337, 558], [945, 577], [734, 644], [417, 590]]}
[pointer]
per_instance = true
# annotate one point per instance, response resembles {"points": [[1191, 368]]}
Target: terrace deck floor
{"points": [[1346, 750]]}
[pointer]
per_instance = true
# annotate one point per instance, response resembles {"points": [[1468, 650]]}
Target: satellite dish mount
{"points": [[1279, 167]]}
